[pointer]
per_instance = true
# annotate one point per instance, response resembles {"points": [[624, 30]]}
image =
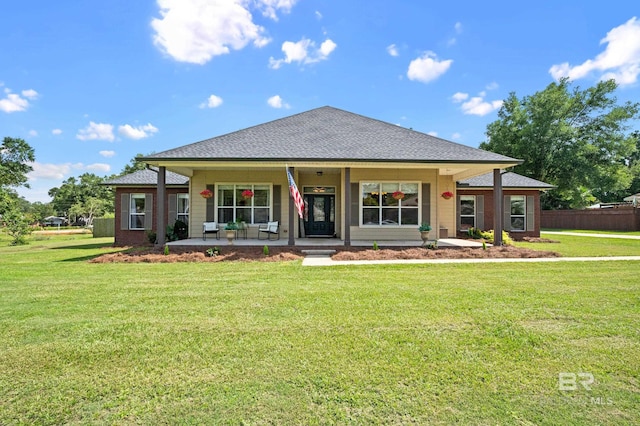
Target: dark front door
{"points": [[320, 218]]}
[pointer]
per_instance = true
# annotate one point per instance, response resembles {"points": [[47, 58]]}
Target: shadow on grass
{"points": [[109, 248]]}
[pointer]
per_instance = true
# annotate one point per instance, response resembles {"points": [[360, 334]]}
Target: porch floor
{"points": [[319, 242]]}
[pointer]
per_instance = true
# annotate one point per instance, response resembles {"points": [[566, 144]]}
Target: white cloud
{"points": [[212, 102], [432, 133], [96, 131], [271, 7], [456, 136], [393, 50], [318, 15], [99, 167], [56, 131], [277, 102], [477, 106], [139, 132], [195, 31], [16, 103], [303, 52], [427, 68], [48, 171], [33, 133], [459, 97], [620, 59], [107, 154], [458, 27], [492, 86]]}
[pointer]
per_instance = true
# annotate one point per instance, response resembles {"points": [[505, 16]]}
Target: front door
{"points": [[320, 217]]}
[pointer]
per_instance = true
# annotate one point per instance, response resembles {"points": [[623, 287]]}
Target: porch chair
{"points": [[210, 228], [271, 228]]}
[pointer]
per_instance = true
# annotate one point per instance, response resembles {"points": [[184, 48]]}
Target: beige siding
{"points": [[446, 208]]}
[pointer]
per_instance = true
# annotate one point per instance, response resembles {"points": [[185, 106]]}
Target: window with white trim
{"points": [[250, 203], [518, 213], [467, 212], [389, 203], [183, 208], [136, 211]]}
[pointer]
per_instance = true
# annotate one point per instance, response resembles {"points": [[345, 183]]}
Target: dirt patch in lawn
{"points": [[539, 240], [278, 254]]}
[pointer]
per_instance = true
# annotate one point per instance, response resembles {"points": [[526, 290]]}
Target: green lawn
{"points": [[279, 343], [588, 231], [572, 246]]}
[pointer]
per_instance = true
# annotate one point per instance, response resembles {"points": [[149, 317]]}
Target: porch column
{"points": [[292, 215], [347, 206], [161, 224], [497, 207]]}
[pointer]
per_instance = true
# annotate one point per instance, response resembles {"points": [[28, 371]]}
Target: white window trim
{"points": [[475, 209], [523, 216], [361, 206], [132, 211], [235, 184], [178, 214]]}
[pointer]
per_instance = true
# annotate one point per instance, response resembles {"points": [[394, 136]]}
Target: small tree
{"points": [[16, 224]]}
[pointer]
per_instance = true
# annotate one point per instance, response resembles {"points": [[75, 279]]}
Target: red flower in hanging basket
{"points": [[247, 193], [207, 193], [398, 195], [447, 194]]}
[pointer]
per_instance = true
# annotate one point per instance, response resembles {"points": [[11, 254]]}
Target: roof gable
{"points": [[509, 180], [147, 177], [330, 134]]}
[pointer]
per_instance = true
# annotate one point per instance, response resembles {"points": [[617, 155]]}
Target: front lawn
{"points": [[574, 246], [279, 343]]}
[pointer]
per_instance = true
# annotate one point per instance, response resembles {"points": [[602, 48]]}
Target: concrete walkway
{"points": [[581, 234], [325, 260]]}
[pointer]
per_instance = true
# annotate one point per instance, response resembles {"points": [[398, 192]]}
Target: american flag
{"points": [[295, 194]]}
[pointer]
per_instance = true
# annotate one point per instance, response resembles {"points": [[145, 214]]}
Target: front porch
{"points": [[318, 242]]}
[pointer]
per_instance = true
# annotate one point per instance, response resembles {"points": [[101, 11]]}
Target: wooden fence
{"points": [[104, 227], [611, 219]]}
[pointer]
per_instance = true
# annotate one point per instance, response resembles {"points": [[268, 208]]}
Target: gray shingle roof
{"points": [[329, 133], [147, 178], [509, 180]]}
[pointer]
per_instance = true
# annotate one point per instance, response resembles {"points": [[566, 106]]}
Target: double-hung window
{"points": [[250, 203], [136, 211], [389, 203], [518, 213], [467, 212]]}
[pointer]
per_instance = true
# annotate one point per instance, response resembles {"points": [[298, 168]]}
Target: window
{"points": [[389, 203], [183, 208], [518, 213], [136, 211], [233, 204], [467, 212]]}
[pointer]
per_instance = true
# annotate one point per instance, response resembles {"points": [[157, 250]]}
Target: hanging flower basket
{"points": [[398, 195], [207, 193], [447, 195], [247, 194]]}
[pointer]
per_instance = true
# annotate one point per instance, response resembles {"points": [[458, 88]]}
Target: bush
{"points": [[488, 236], [213, 251], [265, 250], [17, 226]]}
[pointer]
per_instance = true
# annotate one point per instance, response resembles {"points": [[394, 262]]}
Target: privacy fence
{"points": [[610, 219], [103, 227]]}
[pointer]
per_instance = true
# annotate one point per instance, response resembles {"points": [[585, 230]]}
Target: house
{"points": [[521, 211], [134, 204], [360, 178]]}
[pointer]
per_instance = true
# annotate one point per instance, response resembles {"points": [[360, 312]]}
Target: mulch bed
{"points": [[279, 254]]}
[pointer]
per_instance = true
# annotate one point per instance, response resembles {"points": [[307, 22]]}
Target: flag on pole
{"points": [[295, 194]]}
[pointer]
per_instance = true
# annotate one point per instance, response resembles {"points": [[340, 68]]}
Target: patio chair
{"points": [[271, 228], [210, 228]]}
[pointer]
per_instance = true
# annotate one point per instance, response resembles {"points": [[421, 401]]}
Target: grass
{"points": [[589, 231], [279, 343], [573, 246]]}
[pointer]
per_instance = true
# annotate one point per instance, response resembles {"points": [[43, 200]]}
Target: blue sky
{"points": [[90, 84]]}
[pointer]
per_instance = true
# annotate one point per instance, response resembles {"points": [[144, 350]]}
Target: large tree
{"points": [[15, 156], [574, 139], [76, 191]]}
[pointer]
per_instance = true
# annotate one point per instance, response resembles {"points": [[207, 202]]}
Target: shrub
{"points": [[265, 250], [166, 250], [488, 236], [375, 246], [152, 236], [212, 251]]}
